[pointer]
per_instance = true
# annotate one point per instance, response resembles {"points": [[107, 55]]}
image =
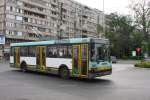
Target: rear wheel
{"points": [[23, 67], [64, 73]]}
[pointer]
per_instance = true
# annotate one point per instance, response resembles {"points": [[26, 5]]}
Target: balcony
{"points": [[33, 3], [54, 3], [30, 37], [34, 10], [22, 37]]}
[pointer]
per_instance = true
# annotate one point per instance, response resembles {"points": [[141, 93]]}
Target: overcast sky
{"points": [[120, 6]]}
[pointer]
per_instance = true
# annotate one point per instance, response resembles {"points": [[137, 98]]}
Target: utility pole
{"points": [[76, 23], [104, 18], [59, 22], [81, 23]]}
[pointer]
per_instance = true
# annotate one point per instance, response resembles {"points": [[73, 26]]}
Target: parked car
{"points": [[147, 59], [113, 59]]}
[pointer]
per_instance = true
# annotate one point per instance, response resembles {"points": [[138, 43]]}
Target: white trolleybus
{"points": [[77, 57]]}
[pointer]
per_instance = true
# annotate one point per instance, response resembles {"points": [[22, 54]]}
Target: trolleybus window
{"points": [[99, 52]]}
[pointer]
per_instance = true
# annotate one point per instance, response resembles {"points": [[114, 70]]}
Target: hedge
{"points": [[143, 64]]}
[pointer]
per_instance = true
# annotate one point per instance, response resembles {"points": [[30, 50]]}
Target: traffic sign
{"points": [[138, 49]]}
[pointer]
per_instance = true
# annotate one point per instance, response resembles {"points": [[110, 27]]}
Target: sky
{"points": [[110, 6]]}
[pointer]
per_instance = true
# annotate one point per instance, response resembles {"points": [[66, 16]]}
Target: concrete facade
{"points": [[33, 20]]}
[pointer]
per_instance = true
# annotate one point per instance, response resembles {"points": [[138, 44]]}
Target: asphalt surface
{"points": [[126, 83]]}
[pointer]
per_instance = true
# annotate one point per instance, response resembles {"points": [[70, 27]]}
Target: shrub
{"points": [[143, 64]]}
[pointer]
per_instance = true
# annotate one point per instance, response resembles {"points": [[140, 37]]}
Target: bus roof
{"points": [[62, 41]]}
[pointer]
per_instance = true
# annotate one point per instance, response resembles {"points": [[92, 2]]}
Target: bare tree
{"points": [[141, 9]]}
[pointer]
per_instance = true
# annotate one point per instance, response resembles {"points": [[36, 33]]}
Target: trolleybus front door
{"points": [[17, 56], [41, 58], [80, 60]]}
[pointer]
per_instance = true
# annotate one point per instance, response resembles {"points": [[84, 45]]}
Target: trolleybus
{"points": [[76, 57]]}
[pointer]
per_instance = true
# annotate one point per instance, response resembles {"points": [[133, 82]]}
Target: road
{"points": [[126, 83]]}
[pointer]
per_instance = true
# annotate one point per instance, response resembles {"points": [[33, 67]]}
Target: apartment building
{"points": [[34, 20], [79, 20]]}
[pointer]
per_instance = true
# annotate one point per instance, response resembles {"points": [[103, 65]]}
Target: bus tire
{"points": [[64, 72], [23, 66]]}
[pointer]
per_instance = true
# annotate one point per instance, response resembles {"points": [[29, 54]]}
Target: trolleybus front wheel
{"points": [[23, 66]]}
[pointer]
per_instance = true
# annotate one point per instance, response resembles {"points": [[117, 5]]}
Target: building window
{"points": [[10, 16], [18, 25], [10, 24], [19, 18], [8, 8], [33, 20], [43, 22], [39, 22], [19, 10], [19, 3], [25, 19], [11, 8], [8, 32], [41, 29], [54, 12], [54, 1], [19, 33]]}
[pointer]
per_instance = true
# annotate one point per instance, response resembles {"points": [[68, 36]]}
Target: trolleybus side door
{"points": [[80, 60], [17, 56], [41, 58]]}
